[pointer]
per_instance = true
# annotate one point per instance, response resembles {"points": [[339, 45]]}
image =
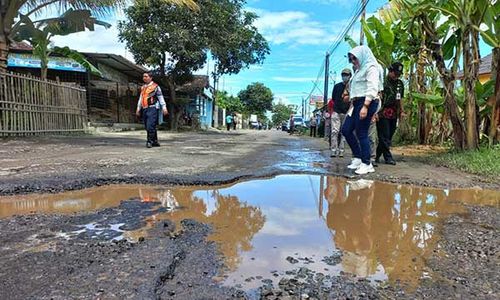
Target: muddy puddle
{"points": [[271, 228]]}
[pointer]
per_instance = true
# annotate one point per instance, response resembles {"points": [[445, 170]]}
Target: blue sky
{"points": [[299, 33]]}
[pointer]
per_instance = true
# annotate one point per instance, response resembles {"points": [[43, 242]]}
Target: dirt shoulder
{"points": [[53, 164]]}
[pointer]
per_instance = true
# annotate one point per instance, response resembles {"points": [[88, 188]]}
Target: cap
{"points": [[396, 67], [346, 71]]}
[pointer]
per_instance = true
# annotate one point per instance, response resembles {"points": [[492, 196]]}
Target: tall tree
{"points": [[257, 98], [10, 9], [176, 40], [281, 113], [230, 103], [169, 38]]}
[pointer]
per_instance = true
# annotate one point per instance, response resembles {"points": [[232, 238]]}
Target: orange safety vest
{"points": [[147, 94]]}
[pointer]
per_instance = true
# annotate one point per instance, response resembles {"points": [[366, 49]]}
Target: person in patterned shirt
{"points": [[392, 109]]}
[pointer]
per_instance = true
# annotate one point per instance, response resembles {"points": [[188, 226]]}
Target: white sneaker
{"points": [[355, 163], [333, 153], [341, 153], [365, 169]]}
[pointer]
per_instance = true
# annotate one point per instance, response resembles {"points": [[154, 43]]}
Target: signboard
{"points": [[253, 118], [314, 100], [26, 60]]}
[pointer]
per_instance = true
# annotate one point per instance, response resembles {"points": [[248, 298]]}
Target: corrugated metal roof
{"points": [[484, 67]]}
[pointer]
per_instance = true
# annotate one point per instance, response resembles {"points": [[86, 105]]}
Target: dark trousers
{"points": [[385, 132], [150, 118], [312, 131], [228, 125], [359, 142]]}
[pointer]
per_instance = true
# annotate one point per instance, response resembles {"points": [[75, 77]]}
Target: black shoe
{"points": [[156, 144], [390, 162], [149, 145], [377, 160], [375, 163]]}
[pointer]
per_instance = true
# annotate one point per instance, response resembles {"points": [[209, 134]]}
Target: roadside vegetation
{"points": [[485, 161]]}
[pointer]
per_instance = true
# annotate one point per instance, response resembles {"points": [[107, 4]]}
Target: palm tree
{"points": [[9, 10]]}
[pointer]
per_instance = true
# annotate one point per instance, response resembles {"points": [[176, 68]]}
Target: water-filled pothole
{"points": [[272, 228]]}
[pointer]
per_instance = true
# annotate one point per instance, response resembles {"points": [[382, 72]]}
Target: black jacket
{"points": [[339, 106]]}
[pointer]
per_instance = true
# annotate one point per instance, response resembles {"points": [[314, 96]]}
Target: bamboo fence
{"points": [[31, 106]]}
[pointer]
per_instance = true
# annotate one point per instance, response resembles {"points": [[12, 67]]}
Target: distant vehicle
{"points": [[284, 126], [254, 125], [298, 122]]}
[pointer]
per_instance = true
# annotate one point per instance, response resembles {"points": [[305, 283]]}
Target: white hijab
{"points": [[366, 60]]}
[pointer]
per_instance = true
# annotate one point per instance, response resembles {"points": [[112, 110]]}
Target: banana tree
{"points": [[39, 33], [411, 11], [491, 36], [467, 17], [380, 39], [10, 9]]}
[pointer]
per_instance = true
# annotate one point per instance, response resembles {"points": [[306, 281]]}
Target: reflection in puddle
{"points": [[267, 227]]}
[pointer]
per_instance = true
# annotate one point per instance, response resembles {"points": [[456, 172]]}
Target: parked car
{"points": [[254, 125], [284, 126], [298, 122]]}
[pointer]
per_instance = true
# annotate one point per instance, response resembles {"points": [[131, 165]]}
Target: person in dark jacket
{"points": [[340, 97], [392, 109]]}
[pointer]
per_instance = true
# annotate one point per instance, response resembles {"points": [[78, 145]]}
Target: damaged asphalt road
{"points": [[53, 257]]}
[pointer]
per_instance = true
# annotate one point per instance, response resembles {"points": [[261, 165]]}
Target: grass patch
{"points": [[484, 162]]}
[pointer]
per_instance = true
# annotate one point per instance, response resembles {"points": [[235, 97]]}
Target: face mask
{"points": [[345, 79]]}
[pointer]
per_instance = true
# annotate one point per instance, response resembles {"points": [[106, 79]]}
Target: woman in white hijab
{"points": [[364, 104]]}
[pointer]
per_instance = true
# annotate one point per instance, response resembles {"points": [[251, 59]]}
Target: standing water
{"points": [[267, 228]]}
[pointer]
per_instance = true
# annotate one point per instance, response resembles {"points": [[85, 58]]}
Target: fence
{"points": [[30, 106]]}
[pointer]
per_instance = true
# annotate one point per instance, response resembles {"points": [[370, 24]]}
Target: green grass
{"points": [[484, 162]]}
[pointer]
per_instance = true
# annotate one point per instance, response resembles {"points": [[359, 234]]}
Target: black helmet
{"points": [[397, 68]]}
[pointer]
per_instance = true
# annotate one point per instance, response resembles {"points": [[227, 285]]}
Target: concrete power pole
{"points": [[327, 75], [363, 16]]}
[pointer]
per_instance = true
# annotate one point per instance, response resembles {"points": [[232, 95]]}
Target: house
{"points": [[484, 74], [111, 98], [201, 104]]}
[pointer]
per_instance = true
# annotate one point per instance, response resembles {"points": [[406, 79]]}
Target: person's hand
{"points": [[138, 113], [165, 111], [346, 98], [375, 118], [363, 113]]}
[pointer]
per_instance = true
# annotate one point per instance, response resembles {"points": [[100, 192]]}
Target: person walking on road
{"points": [[340, 98], [235, 121], [292, 124], [312, 126], [392, 109], [364, 104], [229, 122], [150, 102]]}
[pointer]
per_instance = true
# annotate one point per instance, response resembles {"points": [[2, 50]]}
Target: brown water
{"points": [[384, 231]]}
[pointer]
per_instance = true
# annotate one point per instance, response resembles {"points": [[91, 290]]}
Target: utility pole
{"points": [[327, 75], [363, 16], [303, 108]]}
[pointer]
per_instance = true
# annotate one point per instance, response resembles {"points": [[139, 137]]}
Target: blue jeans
{"points": [[359, 142]]}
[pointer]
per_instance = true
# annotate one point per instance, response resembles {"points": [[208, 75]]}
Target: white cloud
{"points": [[101, 40], [293, 27], [296, 28]]}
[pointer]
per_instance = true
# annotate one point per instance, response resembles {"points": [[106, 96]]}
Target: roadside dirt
{"points": [[54, 164]]}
